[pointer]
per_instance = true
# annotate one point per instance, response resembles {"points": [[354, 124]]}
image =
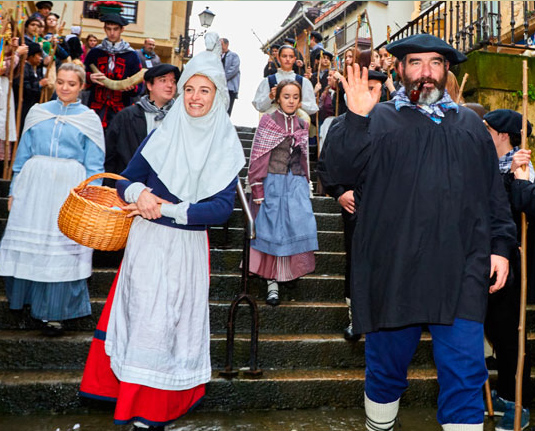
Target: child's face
{"points": [[289, 99]]}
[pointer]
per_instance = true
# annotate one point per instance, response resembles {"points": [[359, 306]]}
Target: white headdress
{"points": [[197, 157]]}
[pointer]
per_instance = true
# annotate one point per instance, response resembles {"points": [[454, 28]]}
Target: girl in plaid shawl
{"points": [[286, 234]]}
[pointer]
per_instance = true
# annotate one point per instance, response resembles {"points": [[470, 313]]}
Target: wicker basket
{"points": [[88, 218]]}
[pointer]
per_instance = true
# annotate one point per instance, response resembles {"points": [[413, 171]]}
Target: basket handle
{"points": [[101, 175]]}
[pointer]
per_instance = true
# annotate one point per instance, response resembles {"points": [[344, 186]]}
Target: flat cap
{"points": [[114, 18], [317, 35], [42, 4], [160, 70], [506, 121], [425, 43], [377, 76]]}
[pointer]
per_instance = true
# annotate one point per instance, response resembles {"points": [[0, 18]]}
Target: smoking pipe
{"points": [[415, 94]]}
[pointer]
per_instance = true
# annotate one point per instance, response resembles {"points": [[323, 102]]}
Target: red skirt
{"points": [[156, 407]]}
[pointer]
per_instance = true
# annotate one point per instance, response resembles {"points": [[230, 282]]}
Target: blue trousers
{"points": [[459, 358]]}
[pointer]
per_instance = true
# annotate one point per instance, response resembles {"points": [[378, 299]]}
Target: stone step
{"points": [[225, 286], [229, 261], [233, 238], [27, 392], [29, 350], [288, 318]]}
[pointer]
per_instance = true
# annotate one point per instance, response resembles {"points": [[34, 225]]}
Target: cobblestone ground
{"points": [[299, 420]]}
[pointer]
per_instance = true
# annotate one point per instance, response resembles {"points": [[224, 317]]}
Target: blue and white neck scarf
{"points": [[434, 111]]}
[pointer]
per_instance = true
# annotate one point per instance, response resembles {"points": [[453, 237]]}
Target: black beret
{"points": [[325, 53], [42, 4], [54, 14], [316, 35], [506, 121], [425, 43], [160, 70], [290, 40], [34, 48], [377, 76], [114, 18]]}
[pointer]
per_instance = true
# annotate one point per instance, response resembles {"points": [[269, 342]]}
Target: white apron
{"points": [[4, 86]]}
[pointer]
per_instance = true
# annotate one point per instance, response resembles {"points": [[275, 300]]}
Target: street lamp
{"points": [[206, 17]]}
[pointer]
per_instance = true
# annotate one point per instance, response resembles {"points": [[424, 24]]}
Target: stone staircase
{"points": [[305, 360]]}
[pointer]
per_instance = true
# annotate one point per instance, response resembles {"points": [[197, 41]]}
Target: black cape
{"points": [[433, 209]]}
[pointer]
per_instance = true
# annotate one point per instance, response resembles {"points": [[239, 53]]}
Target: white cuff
{"points": [[462, 427], [380, 416], [132, 192], [178, 212]]}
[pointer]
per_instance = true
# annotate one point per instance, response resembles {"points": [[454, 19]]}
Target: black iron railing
{"points": [[244, 296], [471, 25]]}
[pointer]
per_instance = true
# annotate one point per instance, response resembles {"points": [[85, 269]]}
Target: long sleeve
{"points": [[232, 66], [24, 153], [346, 162], [308, 104], [502, 226], [258, 171], [523, 196], [93, 159], [261, 100]]}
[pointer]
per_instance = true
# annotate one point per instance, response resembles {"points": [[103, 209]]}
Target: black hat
{"points": [[42, 4], [114, 18], [425, 43], [317, 36], [274, 46], [54, 14], [160, 70], [325, 54], [290, 40], [34, 48], [506, 121], [377, 76]]}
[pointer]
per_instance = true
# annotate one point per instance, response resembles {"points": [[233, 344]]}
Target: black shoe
{"points": [[53, 329], [151, 428], [273, 298], [349, 335]]}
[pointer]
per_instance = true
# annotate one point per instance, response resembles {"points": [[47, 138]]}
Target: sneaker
{"points": [[499, 405], [507, 423]]}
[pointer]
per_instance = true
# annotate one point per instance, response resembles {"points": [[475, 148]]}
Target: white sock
{"points": [[380, 417], [462, 427], [141, 425], [272, 285]]}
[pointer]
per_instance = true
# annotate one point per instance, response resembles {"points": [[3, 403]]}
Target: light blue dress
{"points": [[41, 266]]}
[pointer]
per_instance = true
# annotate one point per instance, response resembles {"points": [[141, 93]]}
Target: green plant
{"points": [[531, 92]]}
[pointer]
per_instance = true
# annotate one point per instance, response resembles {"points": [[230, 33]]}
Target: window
{"points": [[129, 11]]}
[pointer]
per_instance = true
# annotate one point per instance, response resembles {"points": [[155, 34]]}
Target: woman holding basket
{"points": [[151, 350], [62, 144]]}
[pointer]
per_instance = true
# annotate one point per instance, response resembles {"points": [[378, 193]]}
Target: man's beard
{"points": [[427, 97]]}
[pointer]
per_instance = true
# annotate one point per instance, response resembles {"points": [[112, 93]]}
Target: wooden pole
{"points": [[461, 89], [369, 29], [19, 116], [356, 49], [488, 399], [523, 267], [8, 107], [307, 51]]}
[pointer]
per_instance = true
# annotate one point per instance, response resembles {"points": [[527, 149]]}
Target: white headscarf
{"points": [[197, 157]]}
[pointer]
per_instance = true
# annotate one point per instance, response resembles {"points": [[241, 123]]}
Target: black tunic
{"points": [[433, 209]]}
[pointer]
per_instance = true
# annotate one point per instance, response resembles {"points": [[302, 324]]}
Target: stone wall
{"points": [[494, 80]]}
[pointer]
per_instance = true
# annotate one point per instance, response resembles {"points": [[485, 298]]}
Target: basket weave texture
{"points": [[88, 218]]}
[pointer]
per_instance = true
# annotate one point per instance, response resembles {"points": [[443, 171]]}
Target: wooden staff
{"points": [[461, 89], [8, 107], [356, 49], [22, 62], [369, 29], [307, 51], [523, 266], [44, 91]]}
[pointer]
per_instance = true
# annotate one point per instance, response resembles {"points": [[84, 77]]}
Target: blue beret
{"points": [[425, 43], [160, 70], [506, 121], [114, 18]]}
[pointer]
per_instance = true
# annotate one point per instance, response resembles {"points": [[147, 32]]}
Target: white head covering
{"points": [[197, 157]]}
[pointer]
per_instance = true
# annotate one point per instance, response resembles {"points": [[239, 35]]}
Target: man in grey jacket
{"points": [[231, 64]]}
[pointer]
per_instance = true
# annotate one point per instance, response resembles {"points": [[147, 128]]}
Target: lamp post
{"points": [[206, 17]]}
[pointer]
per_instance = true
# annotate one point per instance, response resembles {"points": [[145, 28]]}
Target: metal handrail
{"points": [[244, 296]]}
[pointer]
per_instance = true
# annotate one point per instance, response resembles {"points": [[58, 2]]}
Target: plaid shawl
{"points": [[269, 134]]}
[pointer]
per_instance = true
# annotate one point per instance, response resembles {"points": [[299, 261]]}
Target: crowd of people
{"points": [[430, 193]]}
